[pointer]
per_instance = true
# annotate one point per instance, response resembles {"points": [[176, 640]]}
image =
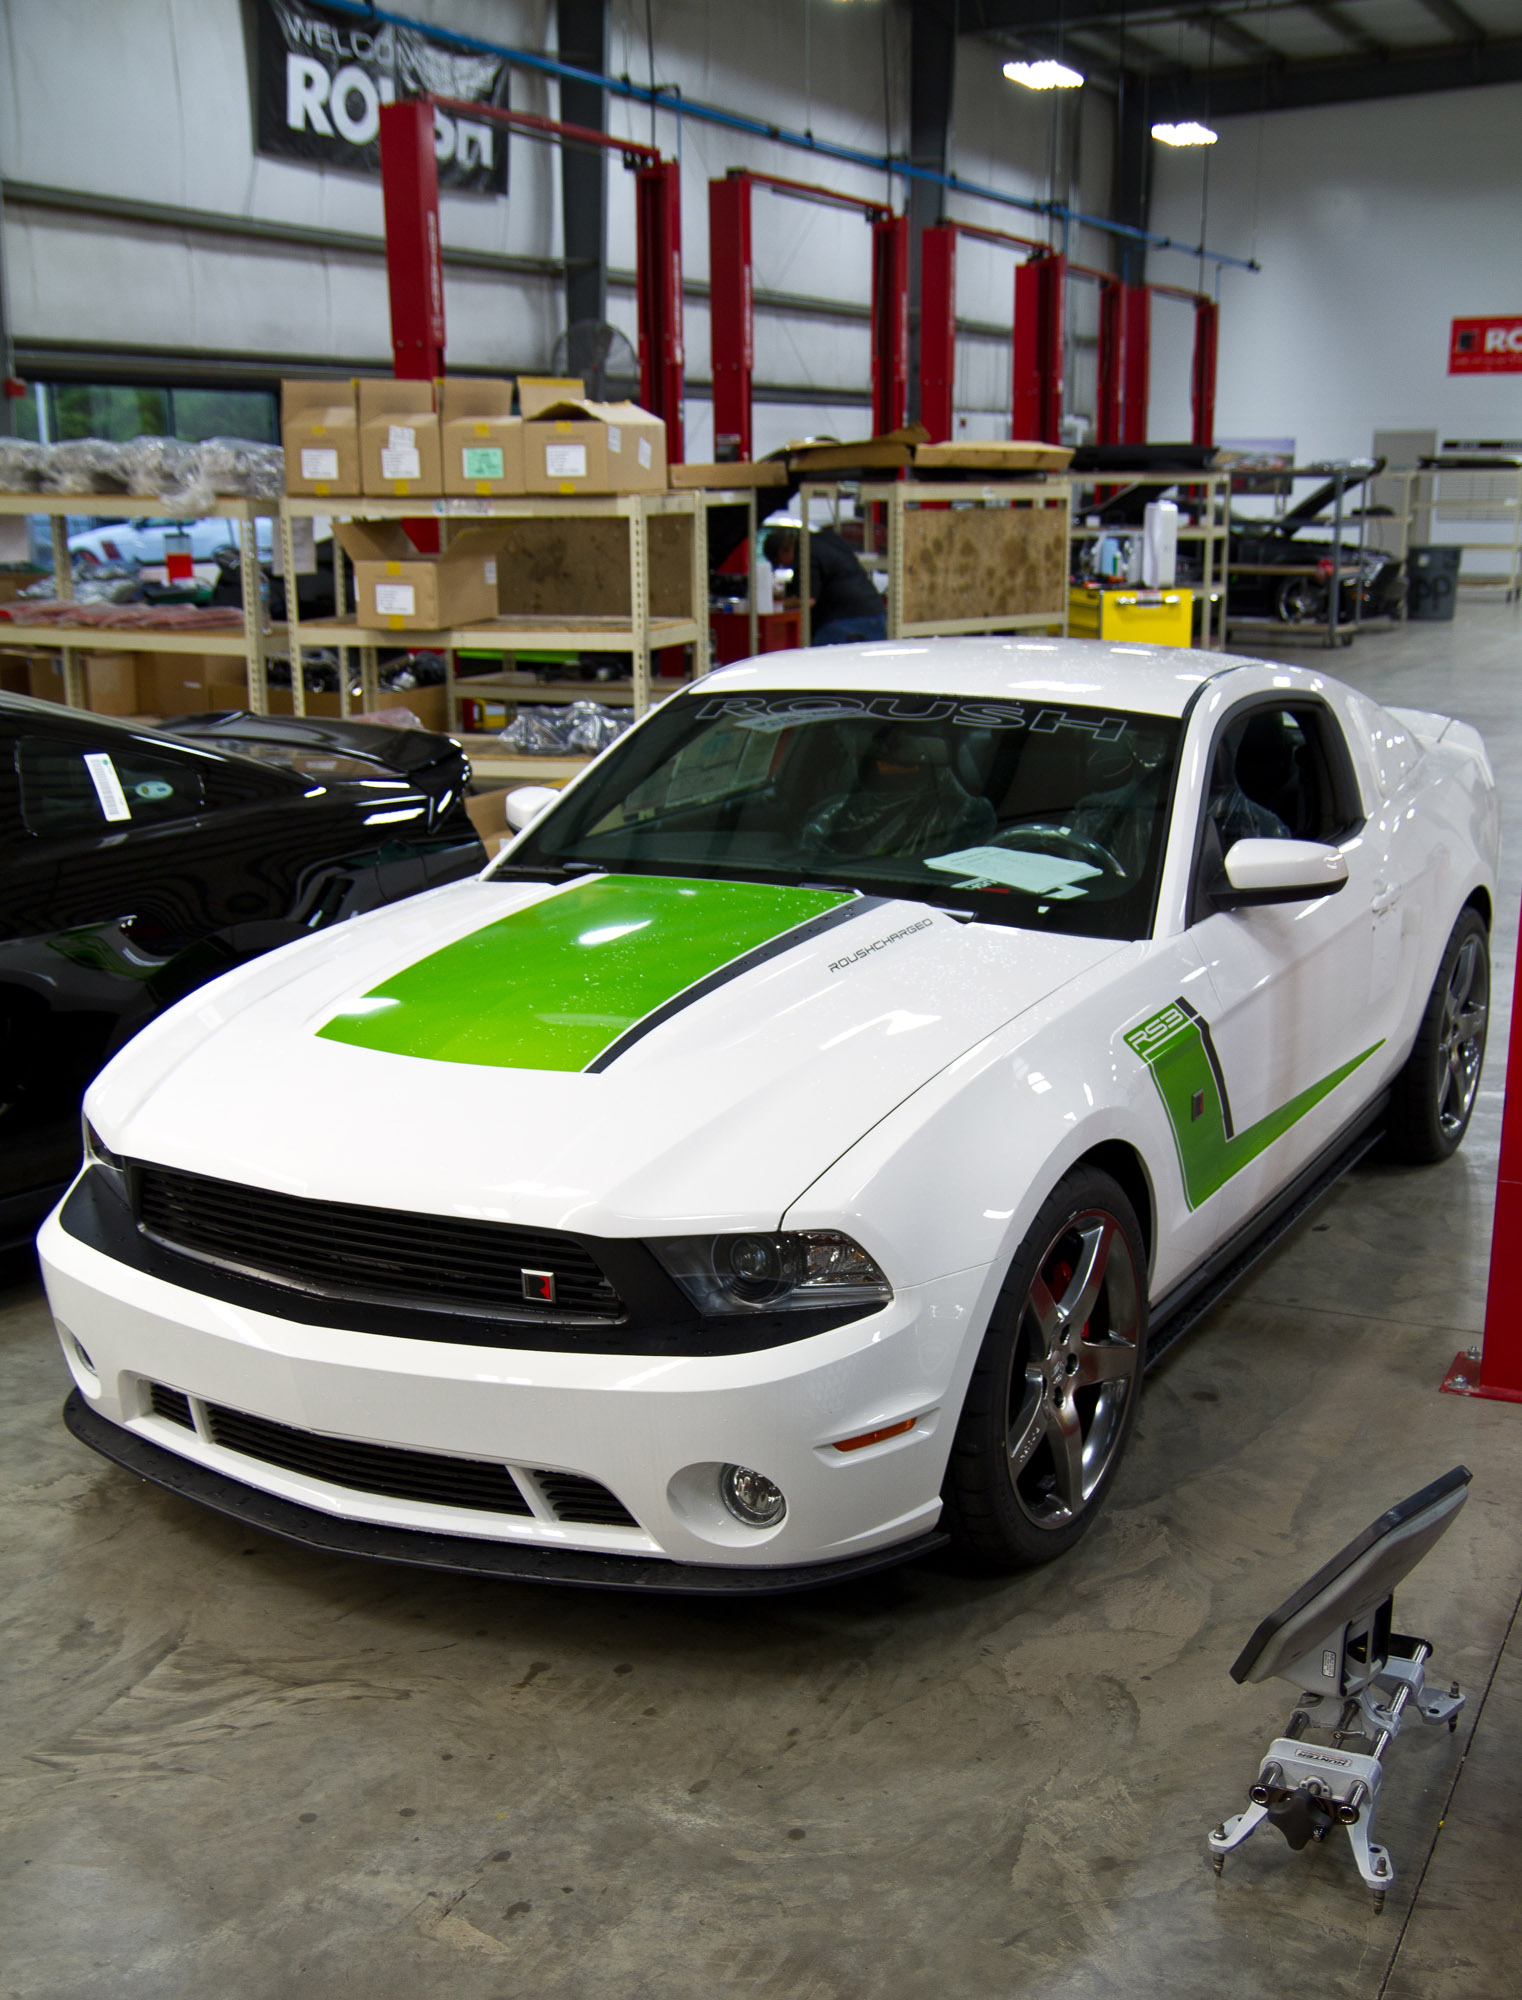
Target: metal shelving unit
{"points": [[897, 498], [640, 635], [1336, 630], [253, 644], [1464, 495], [1212, 531]]}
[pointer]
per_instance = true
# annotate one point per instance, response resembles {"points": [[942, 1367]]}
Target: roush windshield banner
{"points": [[323, 76]]}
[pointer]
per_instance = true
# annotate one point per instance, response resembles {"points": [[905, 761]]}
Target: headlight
{"points": [[788, 1272], [99, 1154]]}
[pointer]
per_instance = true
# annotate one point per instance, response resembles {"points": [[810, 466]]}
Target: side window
{"points": [[69, 788], [1278, 773]]}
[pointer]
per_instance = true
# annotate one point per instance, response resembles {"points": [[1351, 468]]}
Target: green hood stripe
{"points": [[1176, 1046], [556, 985]]}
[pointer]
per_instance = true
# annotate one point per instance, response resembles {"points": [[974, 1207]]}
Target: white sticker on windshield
{"points": [[108, 787], [1015, 868]]}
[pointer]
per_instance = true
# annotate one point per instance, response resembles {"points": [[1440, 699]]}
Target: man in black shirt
{"points": [[844, 601]]}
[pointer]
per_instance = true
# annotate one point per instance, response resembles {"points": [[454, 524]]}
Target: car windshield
{"points": [[1031, 813]]}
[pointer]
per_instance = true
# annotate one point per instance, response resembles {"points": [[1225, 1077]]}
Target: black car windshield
{"points": [[1031, 813]]}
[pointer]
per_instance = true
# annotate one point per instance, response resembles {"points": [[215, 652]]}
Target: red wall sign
{"points": [[1486, 347]]}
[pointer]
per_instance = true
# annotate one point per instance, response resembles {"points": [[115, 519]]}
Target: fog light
{"points": [[83, 1356], [751, 1497]]}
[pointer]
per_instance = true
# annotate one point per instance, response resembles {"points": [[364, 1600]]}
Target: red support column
{"points": [[1497, 1373], [890, 322], [1202, 374], [730, 319], [1136, 364], [658, 199], [1036, 410], [414, 267], [1111, 340], [938, 329]]}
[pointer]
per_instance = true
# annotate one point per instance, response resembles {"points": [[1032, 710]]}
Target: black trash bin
{"points": [[1432, 576]]}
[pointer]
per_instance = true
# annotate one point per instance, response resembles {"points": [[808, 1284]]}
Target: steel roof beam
{"points": [[1242, 90], [1454, 18], [1333, 17]]}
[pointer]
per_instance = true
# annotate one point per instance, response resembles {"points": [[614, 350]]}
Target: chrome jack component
{"points": [[1333, 1640]]}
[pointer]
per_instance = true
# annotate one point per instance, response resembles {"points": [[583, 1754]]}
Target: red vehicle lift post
{"points": [[731, 318], [659, 247], [414, 265], [1207, 321], [1136, 363], [731, 296], [938, 328], [1036, 401]]}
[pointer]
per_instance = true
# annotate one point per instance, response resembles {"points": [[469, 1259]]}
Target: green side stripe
{"points": [[551, 986], [1172, 1045]]}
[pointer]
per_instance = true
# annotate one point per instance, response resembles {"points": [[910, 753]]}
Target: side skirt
{"points": [[1187, 1304]]}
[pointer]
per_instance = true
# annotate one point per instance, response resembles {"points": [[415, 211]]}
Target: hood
{"points": [[612, 1055]]}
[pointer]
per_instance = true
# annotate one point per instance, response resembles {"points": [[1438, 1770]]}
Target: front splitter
{"points": [[462, 1555]]}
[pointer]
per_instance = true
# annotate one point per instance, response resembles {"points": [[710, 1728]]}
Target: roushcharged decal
{"points": [[1177, 1046], [570, 982]]}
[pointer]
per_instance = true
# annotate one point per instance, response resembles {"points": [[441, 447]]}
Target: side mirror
{"points": [[1279, 871], [527, 803]]}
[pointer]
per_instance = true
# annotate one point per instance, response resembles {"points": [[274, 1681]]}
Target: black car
{"points": [[137, 863]]}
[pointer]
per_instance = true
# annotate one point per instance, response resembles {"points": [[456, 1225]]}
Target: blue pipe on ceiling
{"points": [[736, 121]]}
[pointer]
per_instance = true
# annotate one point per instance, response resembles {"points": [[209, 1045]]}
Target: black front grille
{"points": [[170, 1403], [387, 1255], [370, 1468], [573, 1498]]}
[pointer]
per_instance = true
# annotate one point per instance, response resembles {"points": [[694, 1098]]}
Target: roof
{"points": [[1155, 680]]}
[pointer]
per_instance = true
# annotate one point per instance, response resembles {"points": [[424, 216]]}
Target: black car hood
{"points": [[405, 751]]}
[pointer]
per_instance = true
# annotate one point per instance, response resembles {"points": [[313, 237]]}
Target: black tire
{"points": [[1052, 1399], [1434, 1095]]}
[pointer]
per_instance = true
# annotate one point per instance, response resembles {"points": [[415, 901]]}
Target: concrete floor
{"points": [[230, 1767]]}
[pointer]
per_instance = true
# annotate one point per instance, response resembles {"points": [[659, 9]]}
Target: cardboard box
{"points": [[1009, 455], [887, 453], [538, 393], [482, 440], [190, 683], [580, 447], [743, 473], [110, 681], [319, 428], [397, 588], [398, 439]]}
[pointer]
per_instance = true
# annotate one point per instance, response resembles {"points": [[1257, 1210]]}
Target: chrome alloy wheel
{"points": [[1461, 1036], [1073, 1368]]}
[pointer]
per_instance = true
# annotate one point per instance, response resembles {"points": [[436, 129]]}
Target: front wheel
{"points": [[1053, 1396], [1433, 1097]]}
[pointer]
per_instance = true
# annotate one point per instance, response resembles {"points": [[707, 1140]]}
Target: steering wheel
{"points": [[1045, 838]]}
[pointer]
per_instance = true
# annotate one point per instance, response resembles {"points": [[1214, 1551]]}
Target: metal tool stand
{"points": [[1333, 1639]]}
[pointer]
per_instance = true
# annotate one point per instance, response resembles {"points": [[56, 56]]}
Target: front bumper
{"points": [[463, 1555], [653, 1430]]}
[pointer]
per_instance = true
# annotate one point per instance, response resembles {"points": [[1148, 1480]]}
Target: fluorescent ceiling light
{"points": [[1185, 135], [1043, 75]]}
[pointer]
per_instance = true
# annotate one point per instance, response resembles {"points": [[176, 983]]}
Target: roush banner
{"points": [[323, 77], [1486, 347]]}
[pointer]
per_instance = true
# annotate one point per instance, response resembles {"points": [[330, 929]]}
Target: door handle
{"points": [[1386, 896]]}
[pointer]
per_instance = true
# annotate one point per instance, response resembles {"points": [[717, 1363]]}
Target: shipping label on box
{"points": [[583, 447], [399, 447], [320, 432], [482, 439]]}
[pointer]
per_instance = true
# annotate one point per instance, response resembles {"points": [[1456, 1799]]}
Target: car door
{"points": [[1289, 1024]]}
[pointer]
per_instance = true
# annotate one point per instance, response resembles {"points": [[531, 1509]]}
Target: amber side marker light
{"points": [[876, 1437]]}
